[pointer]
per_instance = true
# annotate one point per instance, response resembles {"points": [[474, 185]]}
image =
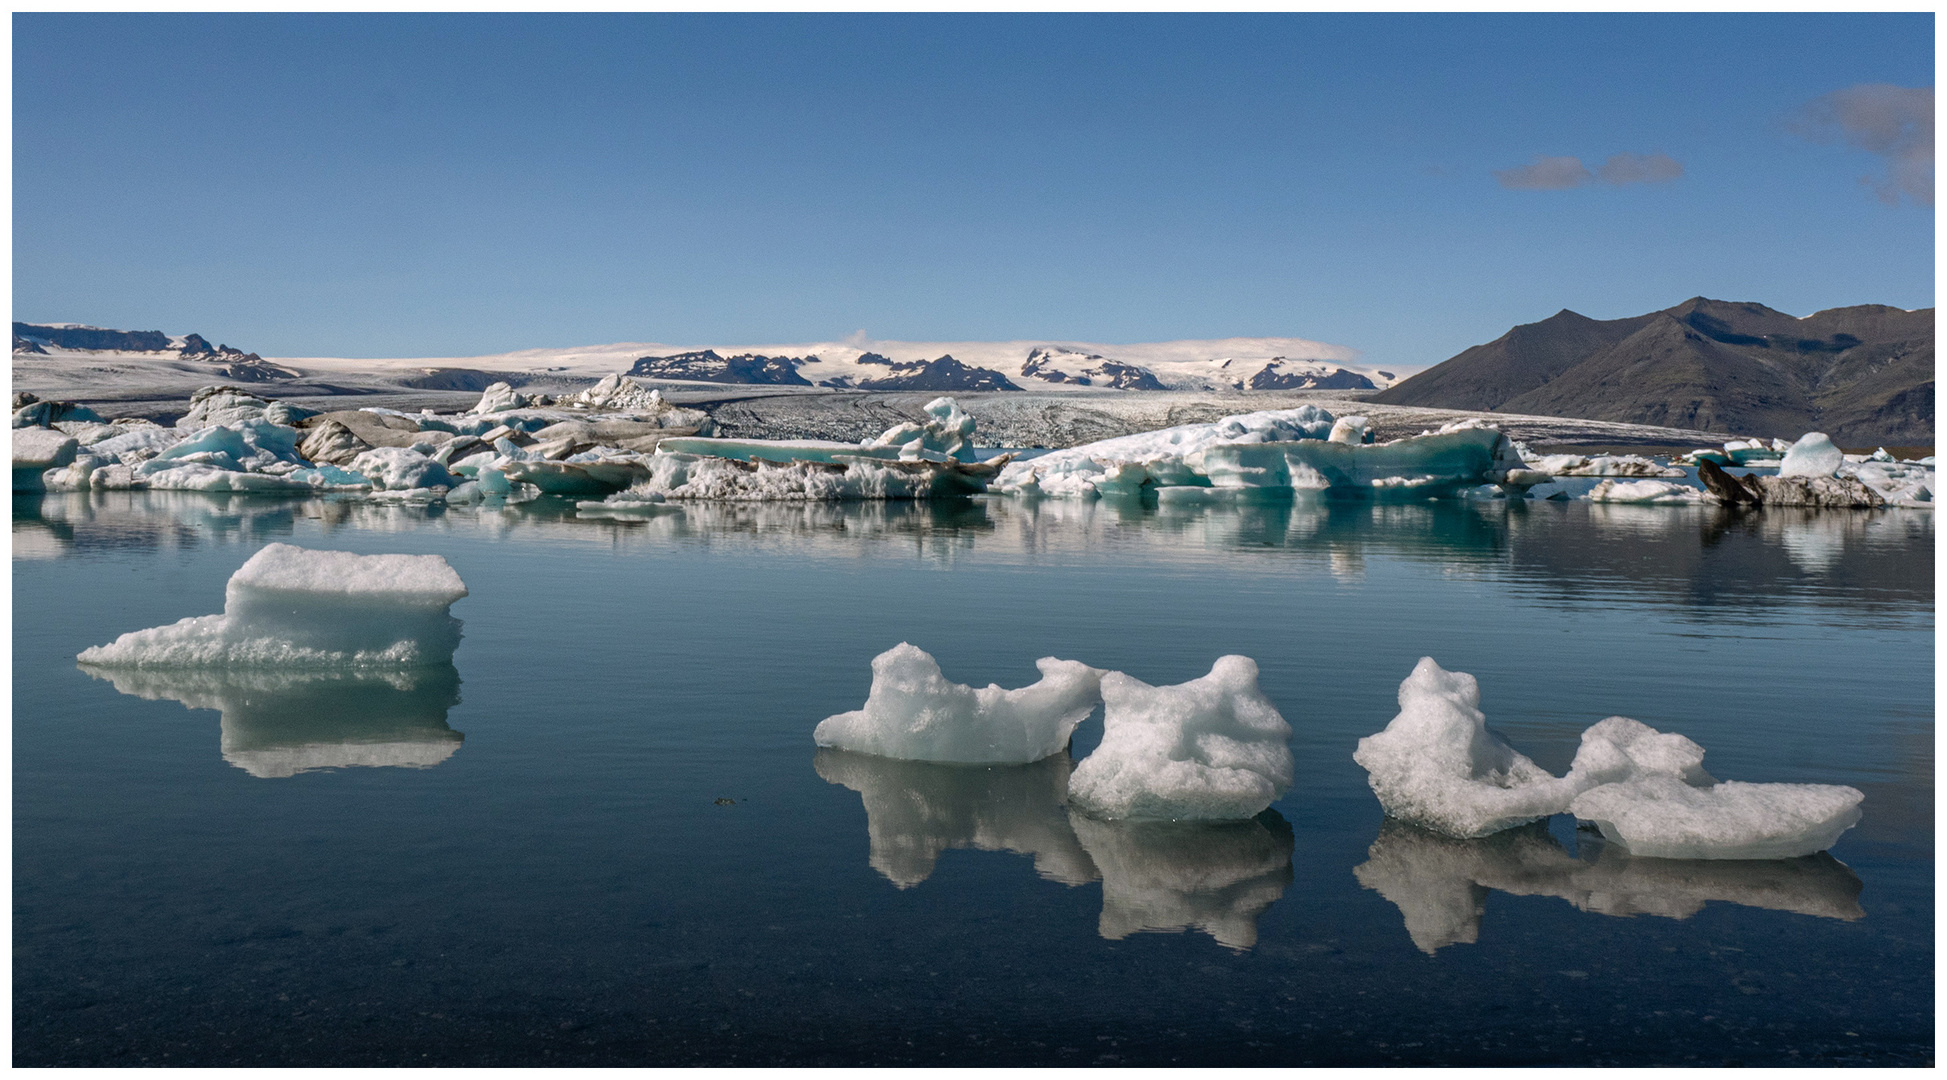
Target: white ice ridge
{"points": [[1275, 450], [1211, 749], [1437, 766], [292, 607], [915, 713]]}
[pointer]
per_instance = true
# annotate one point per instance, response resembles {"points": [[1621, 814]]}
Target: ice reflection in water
{"points": [[1440, 885], [1156, 876], [278, 724]]}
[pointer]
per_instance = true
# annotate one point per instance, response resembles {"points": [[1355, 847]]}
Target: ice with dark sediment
{"points": [[291, 607]]}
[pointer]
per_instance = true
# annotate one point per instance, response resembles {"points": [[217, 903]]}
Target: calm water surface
{"points": [[604, 836]]}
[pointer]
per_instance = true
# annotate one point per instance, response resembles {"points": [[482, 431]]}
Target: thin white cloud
{"points": [[1557, 173], [1893, 122]]}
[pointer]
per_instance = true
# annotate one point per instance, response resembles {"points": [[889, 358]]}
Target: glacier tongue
{"points": [[293, 607]]}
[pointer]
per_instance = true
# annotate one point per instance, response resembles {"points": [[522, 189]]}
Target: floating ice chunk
{"points": [[1658, 492], [1438, 766], [281, 723], [238, 446], [1167, 876], [296, 608], [1662, 816], [1602, 465], [914, 713], [914, 810], [1211, 749], [1349, 429], [946, 434], [397, 468], [221, 405], [198, 476], [1812, 455], [1900, 483]]}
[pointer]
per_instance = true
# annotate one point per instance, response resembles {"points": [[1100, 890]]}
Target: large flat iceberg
{"points": [[1211, 749], [915, 713], [293, 607]]}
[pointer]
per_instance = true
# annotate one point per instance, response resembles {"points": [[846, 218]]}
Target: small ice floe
{"points": [[1438, 883], [1167, 876], [1621, 465], [1211, 749], [1437, 766], [915, 713], [297, 608], [915, 810], [1657, 492], [278, 723]]}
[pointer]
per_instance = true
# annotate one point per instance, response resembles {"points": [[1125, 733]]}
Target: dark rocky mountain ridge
{"points": [[1861, 374]]}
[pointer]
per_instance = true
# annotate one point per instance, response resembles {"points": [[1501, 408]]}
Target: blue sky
{"points": [[360, 185]]}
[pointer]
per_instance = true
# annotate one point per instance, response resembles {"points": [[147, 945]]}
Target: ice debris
{"points": [[297, 608], [915, 713], [1438, 766], [1622, 465], [1659, 492], [1211, 749]]}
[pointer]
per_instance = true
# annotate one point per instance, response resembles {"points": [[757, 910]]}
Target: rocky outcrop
{"points": [[945, 373], [707, 366]]}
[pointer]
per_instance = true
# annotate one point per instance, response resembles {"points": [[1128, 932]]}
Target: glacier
{"points": [[292, 607]]}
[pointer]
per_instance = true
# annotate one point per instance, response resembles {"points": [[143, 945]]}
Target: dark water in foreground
{"points": [[618, 844]]}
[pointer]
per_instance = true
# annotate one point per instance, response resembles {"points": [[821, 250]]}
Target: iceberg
{"points": [[1211, 749], [1441, 884], [1438, 766], [914, 713], [296, 608], [916, 810], [1656, 492], [279, 724], [1276, 451], [1602, 465], [1812, 455], [1166, 877]]}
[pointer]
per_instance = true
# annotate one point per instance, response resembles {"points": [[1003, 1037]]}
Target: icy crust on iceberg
{"points": [[1437, 766], [1211, 749], [296, 608], [1276, 450], [914, 712]]}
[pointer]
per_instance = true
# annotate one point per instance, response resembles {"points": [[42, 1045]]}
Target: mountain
{"points": [[1860, 374], [707, 366], [69, 338], [1059, 365], [945, 373]]}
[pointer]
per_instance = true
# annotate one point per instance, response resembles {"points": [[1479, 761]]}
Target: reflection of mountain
{"points": [[915, 810], [1168, 876], [278, 724], [1160, 876], [1440, 885]]}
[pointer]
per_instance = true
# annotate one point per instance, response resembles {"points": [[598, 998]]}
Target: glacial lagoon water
{"points": [[603, 835]]}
